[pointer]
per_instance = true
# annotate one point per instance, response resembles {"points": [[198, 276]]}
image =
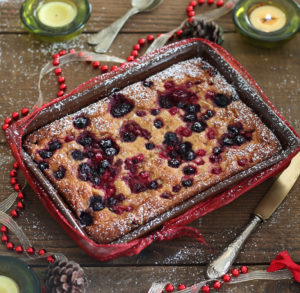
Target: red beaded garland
{"points": [[3, 229], [181, 287], [244, 270], [9, 245], [210, 2], [55, 56], [50, 259], [15, 165], [19, 249], [62, 52], [14, 213], [20, 195], [57, 71], [134, 53], [41, 252], [169, 288], [16, 187], [24, 111], [142, 41], [5, 126], [193, 3], [220, 3], [63, 87], [61, 79], [190, 8], [114, 67], [217, 285], [72, 51], [150, 38], [235, 272], [13, 173], [205, 289], [130, 58], [15, 115], [60, 93], [200, 2], [55, 62], [13, 181], [96, 64], [30, 250], [104, 68], [4, 238], [226, 278], [20, 205], [7, 120]]}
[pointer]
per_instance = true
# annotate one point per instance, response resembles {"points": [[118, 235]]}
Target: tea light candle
{"points": [[56, 13], [8, 285], [267, 18]]}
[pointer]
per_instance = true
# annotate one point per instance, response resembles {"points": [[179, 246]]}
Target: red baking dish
{"points": [[173, 224]]}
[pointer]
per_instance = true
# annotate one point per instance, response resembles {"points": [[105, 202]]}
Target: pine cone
{"points": [[203, 29], [65, 277]]}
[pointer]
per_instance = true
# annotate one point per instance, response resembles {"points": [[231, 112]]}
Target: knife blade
{"points": [[266, 207]]}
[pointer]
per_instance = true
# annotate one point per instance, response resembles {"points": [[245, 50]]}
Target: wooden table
{"points": [[277, 71]]}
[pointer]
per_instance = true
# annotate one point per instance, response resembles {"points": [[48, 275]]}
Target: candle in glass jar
{"points": [[57, 13], [267, 18], [8, 285]]}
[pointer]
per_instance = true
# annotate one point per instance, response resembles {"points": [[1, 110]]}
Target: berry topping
{"points": [[150, 146], [216, 170], [221, 100], [166, 195], [239, 140], [170, 138], [104, 164], [85, 139], [190, 118], [60, 173], [120, 106], [81, 122], [176, 188], [184, 147], [77, 155], [105, 143], [128, 137], [217, 150], [189, 156], [153, 185], [155, 112], [189, 170], [45, 154], [110, 202], [227, 141], [96, 203], [192, 108], [158, 123], [84, 170], [198, 126], [141, 113], [147, 83], [110, 152], [43, 166], [174, 163], [54, 145], [187, 183], [85, 219], [131, 130]]}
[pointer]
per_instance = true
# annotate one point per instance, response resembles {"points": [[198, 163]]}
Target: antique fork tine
{"points": [[208, 16]]}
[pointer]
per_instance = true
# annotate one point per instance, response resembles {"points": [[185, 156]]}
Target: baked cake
{"points": [[134, 155]]}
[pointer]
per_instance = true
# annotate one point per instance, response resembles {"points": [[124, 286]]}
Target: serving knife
{"points": [[266, 207]]}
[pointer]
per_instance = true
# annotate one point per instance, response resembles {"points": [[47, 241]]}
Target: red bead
{"points": [[142, 41], [193, 3], [14, 213], [217, 285], [3, 229], [60, 93], [104, 68], [190, 8], [13, 173], [169, 288], [179, 33], [55, 62], [226, 278], [5, 126], [81, 54], [19, 249], [244, 270], [96, 64], [17, 187], [130, 58], [15, 115], [24, 111], [150, 38], [134, 53], [159, 35], [137, 47], [122, 64], [30, 250], [42, 252], [16, 165], [191, 13], [200, 2], [114, 67], [220, 3], [20, 205], [235, 272], [50, 259], [57, 71], [7, 120], [63, 87], [205, 289], [13, 181], [72, 51], [62, 52], [9, 245], [61, 79], [55, 56], [181, 287], [20, 195], [210, 2], [4, 238]]}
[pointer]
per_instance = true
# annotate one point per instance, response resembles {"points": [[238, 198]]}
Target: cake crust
{"points": [[163, 140]]}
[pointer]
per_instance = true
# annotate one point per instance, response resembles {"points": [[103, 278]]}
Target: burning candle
{"points": [[267, 18], [56, 13], [8, 285]]}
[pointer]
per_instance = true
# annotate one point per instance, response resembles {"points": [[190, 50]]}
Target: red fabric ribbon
{"points": [[283, 260]]}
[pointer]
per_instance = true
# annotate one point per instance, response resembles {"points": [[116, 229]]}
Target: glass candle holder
{"points": [[17, 277], [267, 23], [55, 20]]}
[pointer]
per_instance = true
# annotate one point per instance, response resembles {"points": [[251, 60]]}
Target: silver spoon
{"points": [[105, 38]]}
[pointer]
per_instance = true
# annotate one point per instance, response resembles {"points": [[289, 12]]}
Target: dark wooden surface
{"points": [[277, 71]]}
